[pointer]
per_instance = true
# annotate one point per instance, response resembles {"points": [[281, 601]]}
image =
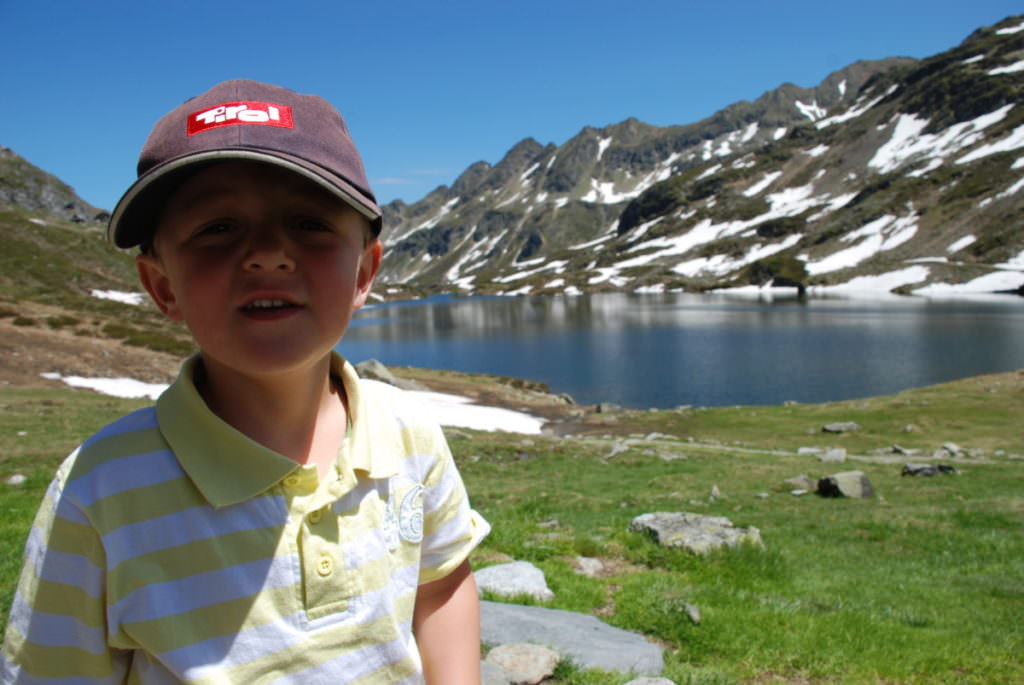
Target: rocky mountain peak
{"points": [[25, 185], [901, 173]]}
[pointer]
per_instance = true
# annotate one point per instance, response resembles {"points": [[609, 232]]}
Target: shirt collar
{"points": [[228, 467], [373, 444]]}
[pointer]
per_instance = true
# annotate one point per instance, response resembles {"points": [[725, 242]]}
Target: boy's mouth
{"points": [[268, 305]]}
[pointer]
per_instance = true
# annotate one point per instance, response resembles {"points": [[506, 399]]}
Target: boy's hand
{"points": [[446, 622]]}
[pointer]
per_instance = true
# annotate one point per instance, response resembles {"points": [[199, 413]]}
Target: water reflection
{"points": [[671, 349]]}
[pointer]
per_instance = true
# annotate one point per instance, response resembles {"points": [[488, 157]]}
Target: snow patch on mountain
{"points": [[811, 111], [910, 144], [880, 235], [1014, 141]]}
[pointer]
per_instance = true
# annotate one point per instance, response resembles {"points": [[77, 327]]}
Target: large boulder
{"points": [[514, 578], [846, 484], [585, 639], [693, 532]]}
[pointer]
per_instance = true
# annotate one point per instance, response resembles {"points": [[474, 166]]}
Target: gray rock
{"points": [[374, 370], [650, 681], [834, 455], [841, 427], [926, 469], [589, 567], [952, 448], [801, 482], [693, 612], [524, 664], [587, 641], [846, 484], [671, 456], [617, 449], [490, 674], [803, 451], [514, 578], [693, 532]]}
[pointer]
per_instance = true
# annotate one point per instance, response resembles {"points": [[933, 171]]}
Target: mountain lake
{"points": [[666, 350]]}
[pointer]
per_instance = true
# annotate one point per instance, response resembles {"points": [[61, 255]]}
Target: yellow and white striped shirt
{"points": [[171, 548]]}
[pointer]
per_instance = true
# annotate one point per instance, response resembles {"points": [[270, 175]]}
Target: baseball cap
{"points": [[243, 120]]}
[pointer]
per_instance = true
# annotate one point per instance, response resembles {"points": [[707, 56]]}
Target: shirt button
{"points": [[325, 566], [291, 481], [316, 516]]}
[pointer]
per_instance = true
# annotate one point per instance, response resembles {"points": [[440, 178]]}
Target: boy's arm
{"points": [[446, 623]]}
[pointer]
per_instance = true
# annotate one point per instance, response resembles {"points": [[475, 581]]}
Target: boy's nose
{"points": [[268, 252]]}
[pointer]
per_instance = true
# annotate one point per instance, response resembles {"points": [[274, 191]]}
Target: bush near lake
{"points": [[921, 583]]}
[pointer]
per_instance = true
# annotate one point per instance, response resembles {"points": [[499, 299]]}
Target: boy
{"points": [[273, 519]]}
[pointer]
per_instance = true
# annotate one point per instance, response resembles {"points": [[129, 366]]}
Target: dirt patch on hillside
{"points": [[28, 351]]}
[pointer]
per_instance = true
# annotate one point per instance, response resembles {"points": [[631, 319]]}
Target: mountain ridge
{"points": [[785, 188]]}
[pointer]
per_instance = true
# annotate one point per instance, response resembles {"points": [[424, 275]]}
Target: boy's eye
{"points": [[313, 225], [215, 228]]}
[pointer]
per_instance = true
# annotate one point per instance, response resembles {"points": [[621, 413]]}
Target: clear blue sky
{"points": [[428, 88]]}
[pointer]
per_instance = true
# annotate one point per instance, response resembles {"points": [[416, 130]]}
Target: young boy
{"points": [[273, 519]]}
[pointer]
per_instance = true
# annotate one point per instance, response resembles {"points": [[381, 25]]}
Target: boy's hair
{"points": [[242, 120]]}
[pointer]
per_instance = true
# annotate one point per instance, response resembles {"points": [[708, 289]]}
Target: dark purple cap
{"points": [[244, 120]]}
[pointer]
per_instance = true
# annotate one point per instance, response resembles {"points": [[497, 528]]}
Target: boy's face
{"points": [[264, 266]]}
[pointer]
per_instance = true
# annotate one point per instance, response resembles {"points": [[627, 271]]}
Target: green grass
{"points": [[922, 584]]}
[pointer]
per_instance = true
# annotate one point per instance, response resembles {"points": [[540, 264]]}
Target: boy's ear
{"points": [[369, 265], [154, 280]]}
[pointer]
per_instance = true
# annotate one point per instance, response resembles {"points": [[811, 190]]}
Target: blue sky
{"points": [[428, 88]]}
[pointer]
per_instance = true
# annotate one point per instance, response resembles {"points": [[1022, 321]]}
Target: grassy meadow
{"points": [[924, 583]]}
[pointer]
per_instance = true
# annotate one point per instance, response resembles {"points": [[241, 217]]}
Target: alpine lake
{"points": [[668, 350]]}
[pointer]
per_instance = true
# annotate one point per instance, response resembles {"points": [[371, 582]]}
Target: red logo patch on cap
{"points": [[237, 113]]}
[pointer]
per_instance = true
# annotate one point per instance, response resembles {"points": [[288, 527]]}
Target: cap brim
{"points": [[135, 218]]}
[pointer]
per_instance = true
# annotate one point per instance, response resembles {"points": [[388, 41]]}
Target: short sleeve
{"points": [[451, 528], [56, 631]]}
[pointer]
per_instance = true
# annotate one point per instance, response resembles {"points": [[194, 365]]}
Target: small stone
{"points": [[17, 479], [762, 495], [835, 455], [665, 456], [802, 482], [617, 449], [651, 681], [804, 451], [524, 664], [841, 427], [715, 493], [693, 612], [927, 470], [589, 567]]}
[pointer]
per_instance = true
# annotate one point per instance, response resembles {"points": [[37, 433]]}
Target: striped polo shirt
{"points": [[171, 548]]}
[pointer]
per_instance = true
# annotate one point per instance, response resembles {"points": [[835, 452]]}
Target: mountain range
{"points": [[898, 175]]}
